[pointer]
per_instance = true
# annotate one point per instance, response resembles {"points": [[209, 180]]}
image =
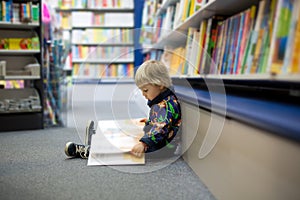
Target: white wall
{"points": [[244, 162]]}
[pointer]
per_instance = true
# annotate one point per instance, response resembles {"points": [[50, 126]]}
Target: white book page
{"points": [[113, 141]]}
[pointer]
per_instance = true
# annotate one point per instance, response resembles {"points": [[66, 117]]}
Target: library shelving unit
{"points": [[21, 93], [102, 40], [236, 69], [217, 66]]}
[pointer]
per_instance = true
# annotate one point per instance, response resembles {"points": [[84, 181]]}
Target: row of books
{"points": [[20, 43], [102, 71], [186, 8], [83, 19], [64, 19], [19, 12], [169, 20], [95, 4], [102, 36], [261, 39], [12, 84], [102, 53]]}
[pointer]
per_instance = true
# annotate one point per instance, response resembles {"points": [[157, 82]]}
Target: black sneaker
{"points": [[89, 131], [77, 150]]}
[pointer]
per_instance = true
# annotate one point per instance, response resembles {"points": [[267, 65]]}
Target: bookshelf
{"points": [[21, 93], [234, 119], [102, 47], [240, 52], [178, 35]]}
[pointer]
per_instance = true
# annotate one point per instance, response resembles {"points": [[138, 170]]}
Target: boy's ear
{"points": [[161, 87]]}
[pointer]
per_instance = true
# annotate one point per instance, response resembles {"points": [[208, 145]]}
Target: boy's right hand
{"points": [[138, 149]]}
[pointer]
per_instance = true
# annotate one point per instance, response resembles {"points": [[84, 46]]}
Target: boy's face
{"points": [[151, 91]]}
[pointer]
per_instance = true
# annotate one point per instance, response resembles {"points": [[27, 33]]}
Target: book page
{"points": [[113, 141]]}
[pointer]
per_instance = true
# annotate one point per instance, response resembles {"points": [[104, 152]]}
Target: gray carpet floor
{"points": [[33, 166]]}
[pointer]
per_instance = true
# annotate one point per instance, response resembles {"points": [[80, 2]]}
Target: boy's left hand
{"points": [[138, 149]]}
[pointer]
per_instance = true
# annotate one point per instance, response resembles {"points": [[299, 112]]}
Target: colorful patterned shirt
{"points": [[164, 121]]}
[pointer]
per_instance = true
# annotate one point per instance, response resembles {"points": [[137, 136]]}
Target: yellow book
{"points": [[202, 32], [75, 69], [185, 10], [192, 7], [295, 62], [175, 61]]}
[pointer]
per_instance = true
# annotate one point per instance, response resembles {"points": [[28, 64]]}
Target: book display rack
{"points": [[102, 39], [21, 93]]}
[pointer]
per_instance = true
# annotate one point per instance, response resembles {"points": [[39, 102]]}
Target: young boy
{"points": [[164, 120]]}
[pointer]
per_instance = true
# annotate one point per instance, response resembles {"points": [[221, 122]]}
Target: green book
{"points": [[35, 13]]}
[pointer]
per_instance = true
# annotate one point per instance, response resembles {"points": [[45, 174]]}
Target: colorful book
{"points": [[227, 46], [255, 35], [193, 55], [264, 54], [281, 36], [210, 43], [188, 47], [201, 44], [294, 63], [248, 21], [113, 141], [233, 43], [262, 37]]}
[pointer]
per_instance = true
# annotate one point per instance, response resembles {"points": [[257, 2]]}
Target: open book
{"points": [[113, 141]]}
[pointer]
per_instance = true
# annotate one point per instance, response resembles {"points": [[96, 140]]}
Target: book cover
{"points": [[255, 36], [188, 47], [206, 46], [265, 49], [202, 32], [239, 41], [227, 45], [113, 141], [245, 36], [293, 42], [262, 37], [193, 54], [223, 45], [217, 49], [248, 41], [233, 43], [294, 66], [281, 36]]}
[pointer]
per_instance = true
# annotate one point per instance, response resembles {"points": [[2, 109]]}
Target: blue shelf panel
{"points": [[276, 117]]}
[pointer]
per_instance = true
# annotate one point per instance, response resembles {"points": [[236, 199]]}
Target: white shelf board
{"points": [[102, 26], [258, 77], [19, 77], [17, 25], [95, 10], [18, 52], [101, 44], [98, 61]]}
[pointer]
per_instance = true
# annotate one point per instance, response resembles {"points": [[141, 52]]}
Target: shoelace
{"points": [[81, 149]]}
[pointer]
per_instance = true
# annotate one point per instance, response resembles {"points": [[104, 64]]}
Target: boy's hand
{"points": [[138, 149]]}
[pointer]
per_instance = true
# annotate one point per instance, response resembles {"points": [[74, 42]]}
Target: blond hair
{"points": [[153, 72]]}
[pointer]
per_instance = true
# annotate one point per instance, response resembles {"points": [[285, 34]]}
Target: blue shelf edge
{"points": [[280, 118]]}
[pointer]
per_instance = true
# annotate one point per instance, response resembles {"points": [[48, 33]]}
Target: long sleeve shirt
{"points": [[163, 122]]}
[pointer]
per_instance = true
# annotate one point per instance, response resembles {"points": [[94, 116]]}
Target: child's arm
{"points": [[161, 118]]}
